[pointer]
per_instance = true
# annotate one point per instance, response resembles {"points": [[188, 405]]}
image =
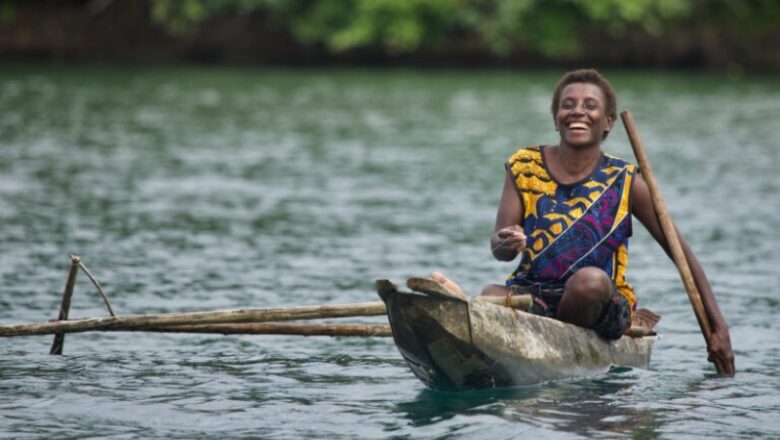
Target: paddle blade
{"points": [[646, 319]]}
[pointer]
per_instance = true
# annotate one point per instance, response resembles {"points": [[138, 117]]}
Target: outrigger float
{"points": [[450, 341]]}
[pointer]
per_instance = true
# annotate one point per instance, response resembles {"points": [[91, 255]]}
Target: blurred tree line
{"points": [[667, 33]]}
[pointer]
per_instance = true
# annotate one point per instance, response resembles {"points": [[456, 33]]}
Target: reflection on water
{"points": [[431, 406], [198, 189], [589, 408]]}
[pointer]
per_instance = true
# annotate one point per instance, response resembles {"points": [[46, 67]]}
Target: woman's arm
{"points": [[719, 345], [508, 238]]}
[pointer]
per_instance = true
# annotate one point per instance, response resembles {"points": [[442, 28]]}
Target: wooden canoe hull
{"points": [[453, 344]]}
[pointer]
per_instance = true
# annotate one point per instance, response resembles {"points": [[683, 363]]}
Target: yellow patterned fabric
{"points": [[587, 223]]}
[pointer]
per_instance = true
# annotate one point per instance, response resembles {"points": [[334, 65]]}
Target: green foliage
{"points": [[396, 25], [180, 17], [617, 15], [551, 27], [7, 12], [502, 25]]}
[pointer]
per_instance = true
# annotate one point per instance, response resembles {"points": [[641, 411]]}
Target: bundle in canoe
{"points": [[461, 343]]}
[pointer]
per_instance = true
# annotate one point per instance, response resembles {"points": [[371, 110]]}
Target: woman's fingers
{"points": [[510, 230], [511, 238], [726, 359], [720, 349], [511, 235]]}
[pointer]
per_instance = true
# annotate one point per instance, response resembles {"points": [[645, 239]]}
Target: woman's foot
{"points": [[447, 283]]}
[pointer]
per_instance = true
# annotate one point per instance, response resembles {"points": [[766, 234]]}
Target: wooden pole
{"points": [[140, 322], [521, 302], [59, 338], [97, 286], [152, 322], [278, 328], [670, 233]]}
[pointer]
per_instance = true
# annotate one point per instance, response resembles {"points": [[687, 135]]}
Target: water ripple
{"points": [[189, 189]]}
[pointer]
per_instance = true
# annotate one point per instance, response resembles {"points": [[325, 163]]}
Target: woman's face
{"points": [[581, 118]]}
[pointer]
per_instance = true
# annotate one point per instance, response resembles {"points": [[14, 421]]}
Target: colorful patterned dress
{"points": [[587, 223]]}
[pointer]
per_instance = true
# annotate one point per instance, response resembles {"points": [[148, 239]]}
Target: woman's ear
{"points": [[610, 123]]}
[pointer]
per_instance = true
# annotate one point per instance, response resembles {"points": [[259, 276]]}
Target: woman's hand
{"points": [[508, 242], [508, 238], [719, 349]]}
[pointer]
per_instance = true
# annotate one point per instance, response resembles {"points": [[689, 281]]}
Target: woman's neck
{"points": [[573, 164]]}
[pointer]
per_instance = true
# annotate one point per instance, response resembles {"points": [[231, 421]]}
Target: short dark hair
{"points": [[589, 76]]}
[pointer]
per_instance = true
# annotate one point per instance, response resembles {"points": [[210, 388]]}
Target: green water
{"points": [[189, 189]]}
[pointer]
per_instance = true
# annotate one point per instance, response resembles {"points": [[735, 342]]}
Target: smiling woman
{"points": [[567, 209], [582, 116]]}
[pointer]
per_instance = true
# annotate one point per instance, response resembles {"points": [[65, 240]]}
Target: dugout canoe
{"points": [[460, 343]]}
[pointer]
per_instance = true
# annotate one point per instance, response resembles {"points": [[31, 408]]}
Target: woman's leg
{"points": [[489, 290], [446, 282], [496, 290], [586, 294]]}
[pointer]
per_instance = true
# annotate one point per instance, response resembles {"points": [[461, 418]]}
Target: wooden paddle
{"points": [[670, 233]]}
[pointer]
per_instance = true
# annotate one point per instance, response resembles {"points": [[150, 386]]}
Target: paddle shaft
{"points": [[672, 239]]}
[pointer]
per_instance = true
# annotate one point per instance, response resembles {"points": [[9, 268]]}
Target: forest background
{"points": [[728, 35]]}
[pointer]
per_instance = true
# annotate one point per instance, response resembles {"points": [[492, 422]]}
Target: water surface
{"points": [[189, 189]]}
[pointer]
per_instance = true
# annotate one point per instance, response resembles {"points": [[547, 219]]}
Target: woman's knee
{"points": [[590, 283], [585, 295]]}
